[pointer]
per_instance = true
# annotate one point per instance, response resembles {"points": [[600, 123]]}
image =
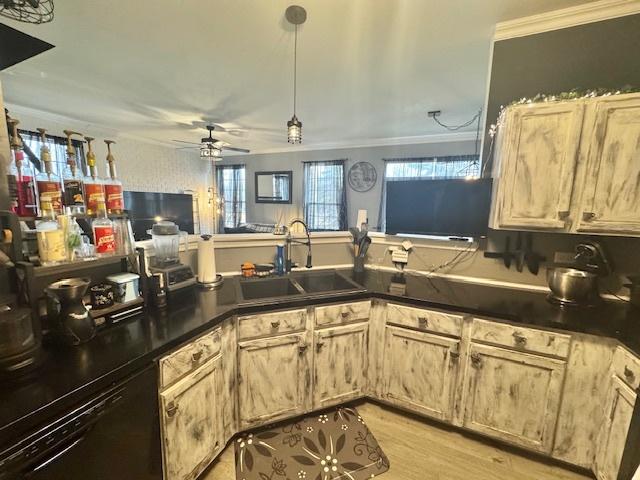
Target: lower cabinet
{"points": [[513, 396], [420, 371], [340, 364], [273, 378], [190, 415], [613, 435]]}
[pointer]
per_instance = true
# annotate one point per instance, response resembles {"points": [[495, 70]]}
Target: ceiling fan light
{"points": [[294, 130], [210, 151]]}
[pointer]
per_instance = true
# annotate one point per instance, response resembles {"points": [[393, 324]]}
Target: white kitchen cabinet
{"points": [[613, 434], [340, 364], [191, 422], [611, 199], [420, 371], [513, 396], [537, 154], [273, 378]]}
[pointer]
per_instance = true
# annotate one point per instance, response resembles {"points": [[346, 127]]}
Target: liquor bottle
{"points": [[48, 183], [74, 198], [104, 236], [51, 238], [93, 185], [20, 177], [113, 186]]}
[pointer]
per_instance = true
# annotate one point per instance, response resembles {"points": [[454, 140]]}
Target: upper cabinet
{"points": [[570, 166]]}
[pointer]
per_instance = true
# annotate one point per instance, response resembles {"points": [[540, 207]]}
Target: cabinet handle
{"points": [[196, 356], [319, 346], [423, 321], [628, 373], [172, 408], [563, 214], [302, 348], [275, 324], [520, 340], [344, 315], [454, 356], [588, 216], [476, 360]]}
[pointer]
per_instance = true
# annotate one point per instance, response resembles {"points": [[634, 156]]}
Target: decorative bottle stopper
{"points": [[71, 152], [91, 156], [15, 138], [109, 155]]}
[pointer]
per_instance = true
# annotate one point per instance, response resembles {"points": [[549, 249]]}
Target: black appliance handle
{"points": [[57, 455]]}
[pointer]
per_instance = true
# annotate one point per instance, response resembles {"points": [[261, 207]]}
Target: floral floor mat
{"points": [[333, 445]]}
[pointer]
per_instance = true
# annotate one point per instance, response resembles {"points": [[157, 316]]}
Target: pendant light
{"points": [[296, 15]]}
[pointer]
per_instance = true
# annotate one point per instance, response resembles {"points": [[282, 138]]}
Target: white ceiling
{"points": [[368, 70]]}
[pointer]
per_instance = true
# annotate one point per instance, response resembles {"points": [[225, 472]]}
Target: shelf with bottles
{"points": [[80, 216]]}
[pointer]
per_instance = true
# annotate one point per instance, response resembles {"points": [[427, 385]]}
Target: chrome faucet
{"points": [[290, 240]]}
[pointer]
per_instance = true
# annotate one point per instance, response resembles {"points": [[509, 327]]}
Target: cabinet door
{"points": [[538, 156], [611, 201], [513, 396], [420, 371], [190, 422], [274, 378], [340, 364], [613, 434]]}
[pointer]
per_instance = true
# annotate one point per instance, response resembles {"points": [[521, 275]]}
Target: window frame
{"points": [[340, 206], [220, 171]]}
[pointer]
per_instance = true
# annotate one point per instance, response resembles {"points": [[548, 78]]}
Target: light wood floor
{"points": [[421, 451]]}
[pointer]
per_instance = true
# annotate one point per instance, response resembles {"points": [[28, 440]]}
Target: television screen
{"points": [[146, 208], [455, 207]]}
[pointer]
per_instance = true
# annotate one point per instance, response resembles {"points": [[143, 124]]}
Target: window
{"points": [[32, 144], [325, 198], [230, 182], [397, 170]]}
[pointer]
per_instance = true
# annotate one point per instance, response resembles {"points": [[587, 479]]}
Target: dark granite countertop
{"points": [[72, 373]]}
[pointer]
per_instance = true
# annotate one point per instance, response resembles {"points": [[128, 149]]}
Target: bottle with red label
{"points": [[48, 183], [72, 179], [104, 234], [20, 177], [93, 185], [113, 186]]}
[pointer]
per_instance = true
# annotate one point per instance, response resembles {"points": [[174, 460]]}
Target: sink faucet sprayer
{"points": [[291, 240]]}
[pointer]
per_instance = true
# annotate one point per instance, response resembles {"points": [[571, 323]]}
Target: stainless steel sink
{"points": [[260, 289], [324, 281]]}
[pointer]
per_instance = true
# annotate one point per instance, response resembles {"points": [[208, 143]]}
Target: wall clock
{"points": [[362, 176]]}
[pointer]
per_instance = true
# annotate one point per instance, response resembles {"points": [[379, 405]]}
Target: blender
{"points": [[166, 243]]}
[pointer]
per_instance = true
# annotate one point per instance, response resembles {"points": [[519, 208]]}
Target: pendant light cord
{"points": [[295, 68]]}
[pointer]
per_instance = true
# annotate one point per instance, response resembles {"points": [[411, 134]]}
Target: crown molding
{"points": [[567, 17], [373, 142]]}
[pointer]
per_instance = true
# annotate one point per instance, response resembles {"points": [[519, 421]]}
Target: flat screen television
{"points": [[146, 208], [454, 207]]}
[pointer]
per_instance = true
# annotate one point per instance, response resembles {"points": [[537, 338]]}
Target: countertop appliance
{"points": [[126, 286], [166, 244], [113, 435], [73, 321], [570, 286]]}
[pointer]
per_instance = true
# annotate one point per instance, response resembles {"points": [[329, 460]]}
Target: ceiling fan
{"points": [[29, 11], [212, 147]]}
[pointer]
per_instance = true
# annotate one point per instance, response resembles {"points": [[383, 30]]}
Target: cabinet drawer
{"points": [[344, 313], [426, 320], [519, 338], [177, 364], [272, 323], [627, 367]]}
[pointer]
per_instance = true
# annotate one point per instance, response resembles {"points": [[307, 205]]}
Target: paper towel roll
{"points": [[206, 260]]}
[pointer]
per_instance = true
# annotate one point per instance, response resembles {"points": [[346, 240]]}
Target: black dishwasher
{"points": [[113, 435]]}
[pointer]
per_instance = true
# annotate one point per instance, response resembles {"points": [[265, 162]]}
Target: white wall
{"points": [[270, 213], [141, 166]]}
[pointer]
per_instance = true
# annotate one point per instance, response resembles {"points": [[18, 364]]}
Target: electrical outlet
{"points": [[433, 113], [400, 256]]}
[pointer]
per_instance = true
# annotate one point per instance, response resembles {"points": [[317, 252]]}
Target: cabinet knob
{"points": [[587, 216], [423, 321], [520, 340], [172, 408], [319, 346], [275, 324], [302, 348], [454, 356], [563, 214], [196, 356], [476, 360], [344, 315], [628, 373]]}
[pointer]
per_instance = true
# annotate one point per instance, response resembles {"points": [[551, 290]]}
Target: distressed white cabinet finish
{"points": [[273, 378], [513, 396], [611, 199], [537, 156], [340, 364], [420, 371], [191, 422]]}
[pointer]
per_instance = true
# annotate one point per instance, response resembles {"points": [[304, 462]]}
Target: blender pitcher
{"points": [[166, 242]]}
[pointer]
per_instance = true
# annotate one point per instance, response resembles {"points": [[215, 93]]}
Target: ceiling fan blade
{"points": [[187, 148], [183, 141], [236, 149]]}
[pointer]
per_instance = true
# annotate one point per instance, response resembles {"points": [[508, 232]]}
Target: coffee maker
{"points": [[175, 276]]}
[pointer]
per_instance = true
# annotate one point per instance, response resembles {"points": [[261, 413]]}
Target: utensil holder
{"points": [[358, 264]]}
